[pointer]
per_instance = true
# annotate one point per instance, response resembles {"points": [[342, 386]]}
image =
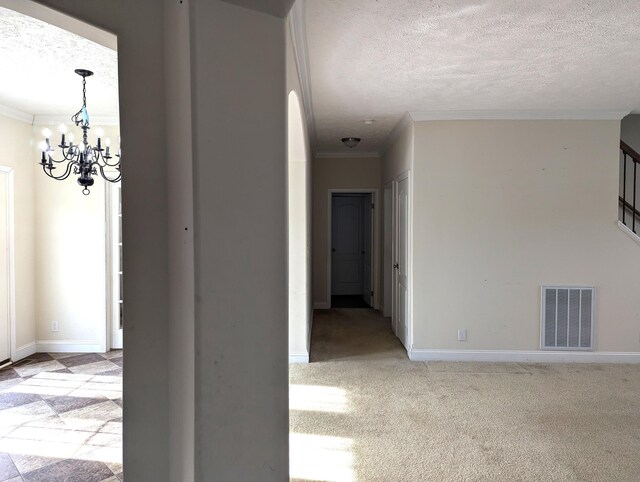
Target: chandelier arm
{"points": [[105, 177], [104, 162], [65, 159], [98, 156], [107, 163], [64, 176], [67, 154]]}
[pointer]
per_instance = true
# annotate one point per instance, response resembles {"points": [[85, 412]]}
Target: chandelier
{"points": [[80, 159]]}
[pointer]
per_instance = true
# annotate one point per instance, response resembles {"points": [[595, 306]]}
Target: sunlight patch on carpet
{"points": [[321, 458], [317, 398]]}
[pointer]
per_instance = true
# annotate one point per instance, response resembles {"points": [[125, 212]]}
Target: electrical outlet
{"points": [[462, 335], [54, 326]]}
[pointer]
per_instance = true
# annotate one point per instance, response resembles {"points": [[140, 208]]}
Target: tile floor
{"points": [[61, 418]]}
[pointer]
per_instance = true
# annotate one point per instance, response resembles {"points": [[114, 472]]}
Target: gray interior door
{"points": [[347, 245]]}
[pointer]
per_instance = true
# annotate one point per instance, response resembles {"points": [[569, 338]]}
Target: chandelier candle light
{"points": [[81, 159]]}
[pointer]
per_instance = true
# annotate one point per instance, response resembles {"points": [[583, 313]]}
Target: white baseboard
{"points": [[24, 351], [69, 346], [321, 305], [524, 356], [298, 358]]}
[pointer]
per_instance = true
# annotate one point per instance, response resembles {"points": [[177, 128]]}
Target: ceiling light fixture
{"points": [[81, 159], [351, 142], [368, 122]]}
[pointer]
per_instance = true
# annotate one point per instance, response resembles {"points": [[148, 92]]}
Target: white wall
{"points": [[299, 214], [502, 207], [398, 155], [70, 256], [336, 173], [52, 219], [16, 152]]}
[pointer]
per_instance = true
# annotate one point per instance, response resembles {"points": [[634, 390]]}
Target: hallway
{"points": [[353, 334], [362, 411]]}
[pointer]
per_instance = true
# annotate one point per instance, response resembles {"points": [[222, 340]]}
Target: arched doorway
{"points": [[299, 234]]}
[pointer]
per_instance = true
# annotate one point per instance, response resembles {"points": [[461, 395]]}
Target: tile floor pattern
{"points": [[61, 418]]}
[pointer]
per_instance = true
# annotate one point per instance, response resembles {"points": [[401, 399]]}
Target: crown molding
{"points": [[395, 133], [16, 114], [47, 120], [346, 155], [298, 30], [419, 116]]}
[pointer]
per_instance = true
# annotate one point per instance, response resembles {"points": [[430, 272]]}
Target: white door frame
{"points": [[394, 294], [376, 248], [112, 258], [7, 173], [391, 186]]}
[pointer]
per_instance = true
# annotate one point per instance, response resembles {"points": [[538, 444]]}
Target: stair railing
{"points": [[629, 167]]}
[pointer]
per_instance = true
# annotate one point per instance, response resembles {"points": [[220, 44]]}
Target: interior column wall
{"points": [[180, 234], [299, 214], [239, 100]]}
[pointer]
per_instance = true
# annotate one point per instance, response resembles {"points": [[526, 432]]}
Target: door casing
{"points": [[6, 176], [387, 246], [113, 335]]}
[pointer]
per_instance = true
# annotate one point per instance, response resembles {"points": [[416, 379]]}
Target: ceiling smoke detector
{"points": [[351, 142]]}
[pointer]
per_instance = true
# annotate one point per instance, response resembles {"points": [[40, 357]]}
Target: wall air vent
{"points": [[567, 317]]}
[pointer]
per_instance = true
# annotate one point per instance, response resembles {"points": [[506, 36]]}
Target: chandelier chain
{"points": [[74, 117]]}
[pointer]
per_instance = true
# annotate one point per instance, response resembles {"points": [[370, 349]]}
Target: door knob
{"points": [[333, 250]]}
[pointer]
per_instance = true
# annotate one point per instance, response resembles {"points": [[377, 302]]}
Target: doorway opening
{"points": [[56, 268], [352, 249]]}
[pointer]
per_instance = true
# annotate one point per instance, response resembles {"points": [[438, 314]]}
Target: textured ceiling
{"points": [[380, 59], [38, 61]]}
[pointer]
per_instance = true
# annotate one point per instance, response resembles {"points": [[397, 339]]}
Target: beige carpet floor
{"points": [[362, 411]]}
